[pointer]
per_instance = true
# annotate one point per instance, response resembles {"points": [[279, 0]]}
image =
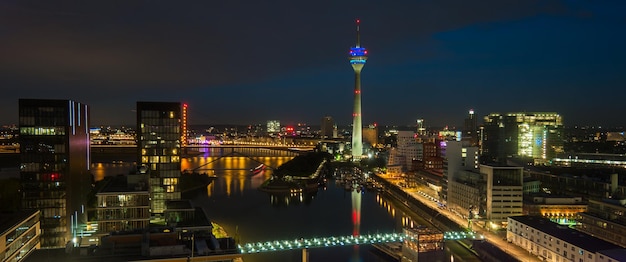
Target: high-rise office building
{"points": [[409, 148], [358, 57], [459, 157], [470, 129], [534, 135], [327, 128], [491, 195], [273, 126], [421, 129], [158, 147], [55, 162], [504, 190]]}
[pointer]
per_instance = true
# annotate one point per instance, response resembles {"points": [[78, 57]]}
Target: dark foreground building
{"points": [[55, 161]]}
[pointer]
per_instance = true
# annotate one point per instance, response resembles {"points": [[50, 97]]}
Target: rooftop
{"points": [[617, 254], [496, 165], [179, 205], [574, 237], [60, 254], [9, 220], [119, 184]]}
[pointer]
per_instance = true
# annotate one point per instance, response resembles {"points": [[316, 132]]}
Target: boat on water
{"points": [[257, 170]]}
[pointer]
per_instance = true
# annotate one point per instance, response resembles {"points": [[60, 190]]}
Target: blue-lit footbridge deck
{"points": [[321, 242]]}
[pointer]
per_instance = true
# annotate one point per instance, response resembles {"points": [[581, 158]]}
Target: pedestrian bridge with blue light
{"points": [[320, 242]]}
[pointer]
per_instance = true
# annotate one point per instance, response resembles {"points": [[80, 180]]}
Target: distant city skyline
{"points": [[246, 64]]}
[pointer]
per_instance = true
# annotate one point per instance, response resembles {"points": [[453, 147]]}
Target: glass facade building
{"points": [[159, 146], [123, 211], [533, 135], [503, 193], [54, 165], [273, 126], [123, 204]]}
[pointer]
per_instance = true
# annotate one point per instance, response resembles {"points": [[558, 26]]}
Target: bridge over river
{"points": [[332, 241]]}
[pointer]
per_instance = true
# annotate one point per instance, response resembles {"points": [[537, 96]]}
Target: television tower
{"points": [[358, 56]]}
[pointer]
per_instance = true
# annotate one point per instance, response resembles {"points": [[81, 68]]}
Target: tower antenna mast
{"points": [[358, 57]]}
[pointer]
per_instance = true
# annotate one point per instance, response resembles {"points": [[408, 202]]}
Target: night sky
{"points": [[246, 62]]}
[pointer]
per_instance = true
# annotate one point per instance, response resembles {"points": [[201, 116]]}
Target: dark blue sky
{"points": [[242, 62]]}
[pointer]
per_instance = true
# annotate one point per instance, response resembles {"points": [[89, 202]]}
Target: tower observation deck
{"points": [[358, 57]]}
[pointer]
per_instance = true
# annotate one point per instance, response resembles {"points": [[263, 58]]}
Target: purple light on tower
{"points": [[358, 57]]}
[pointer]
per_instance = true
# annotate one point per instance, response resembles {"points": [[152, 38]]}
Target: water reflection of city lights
{"points": [[210, 188], [231, 167], [228, 180], [242, 183]]}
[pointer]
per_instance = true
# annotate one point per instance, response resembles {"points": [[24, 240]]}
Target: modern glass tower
{"points": [[54, 165], [358, 57], [158, 146], [535, 135]]}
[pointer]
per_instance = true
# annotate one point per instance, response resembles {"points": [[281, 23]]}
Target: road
{"points": [[428, 197]]}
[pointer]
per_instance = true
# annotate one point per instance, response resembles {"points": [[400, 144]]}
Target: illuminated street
{"points": [[427, 197]]}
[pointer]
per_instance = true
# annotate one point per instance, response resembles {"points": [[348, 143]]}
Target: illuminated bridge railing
{"points": [[270, 246], [457, 235], [320, 242]]}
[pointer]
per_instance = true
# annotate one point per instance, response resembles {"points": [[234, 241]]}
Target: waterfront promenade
{"points": [[428, 197]]}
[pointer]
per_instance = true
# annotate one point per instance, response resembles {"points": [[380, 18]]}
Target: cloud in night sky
{"points": [[245, 62]]}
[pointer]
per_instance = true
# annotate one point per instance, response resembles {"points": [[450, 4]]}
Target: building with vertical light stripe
{"points": [[158, 146], [358, 57], [54, 168]]}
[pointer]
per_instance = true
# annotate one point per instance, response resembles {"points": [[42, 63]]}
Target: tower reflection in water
{"points": [[356, 220]]}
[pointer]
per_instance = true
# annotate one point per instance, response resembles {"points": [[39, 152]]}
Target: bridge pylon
{"points": [[305, 255]]}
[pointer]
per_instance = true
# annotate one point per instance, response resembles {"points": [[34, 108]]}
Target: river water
{"points": [[250, 215]]}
